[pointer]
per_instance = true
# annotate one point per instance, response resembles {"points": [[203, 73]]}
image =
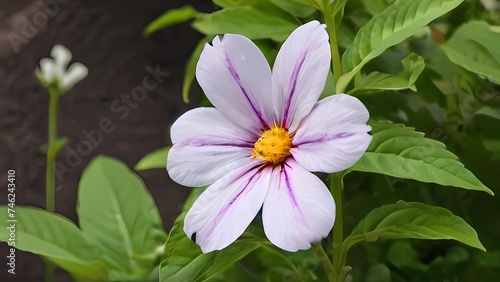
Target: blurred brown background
{"points": [[105, 35]]}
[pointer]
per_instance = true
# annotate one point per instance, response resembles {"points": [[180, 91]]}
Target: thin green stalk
{"points": [[332, 31], [51, 150], [327, 264], [50, 180], [336, 188]]}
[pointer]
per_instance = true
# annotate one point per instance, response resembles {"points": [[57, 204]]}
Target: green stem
{"points": [[50, 176], [336, 188], [51, 149], [327, 264], [332, 31]]}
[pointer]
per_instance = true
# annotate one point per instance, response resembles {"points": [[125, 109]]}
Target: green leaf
{"points": [[402, 255], [474, 46], [247, 21], [56, 238], [190, 71], [402, 152], [238, 3], [378, 273], [294, 8], [396, 23], [171, 17], [413, 65], [412, 220], [116, 212], [155, 159], [313, 3]]}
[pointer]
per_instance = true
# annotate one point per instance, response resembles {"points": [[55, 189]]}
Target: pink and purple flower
{"points": [[260, 144]]}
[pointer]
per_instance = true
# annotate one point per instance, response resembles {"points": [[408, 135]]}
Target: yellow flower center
{"points": [[273, 146]]}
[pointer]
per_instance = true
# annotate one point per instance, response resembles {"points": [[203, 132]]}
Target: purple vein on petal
{"points": [[236, 77], [326, 138], [291, 196], [205, 142], [290, 191], [224, 210], [292, 84]]}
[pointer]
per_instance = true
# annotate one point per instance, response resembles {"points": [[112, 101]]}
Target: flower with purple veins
{"points": [[262, 141]]}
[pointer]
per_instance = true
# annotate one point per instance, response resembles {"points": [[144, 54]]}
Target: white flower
{"points": [[55, 70], [260, 143]]}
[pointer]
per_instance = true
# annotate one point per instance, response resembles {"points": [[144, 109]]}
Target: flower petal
{"points": [[47, 69], [237, 80], [333, 136], [62, 56], [206, 147], [298, 209], [75, 73], [223, 212], [300, 72]]}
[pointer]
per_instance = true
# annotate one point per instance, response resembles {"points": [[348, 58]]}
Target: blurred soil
{"points": [[107, 37]]}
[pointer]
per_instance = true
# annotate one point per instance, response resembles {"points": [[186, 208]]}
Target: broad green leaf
{"points": [[402, 152], [56, 238], [295, 8], [247, 21], [171, 17], [412, 220], [313, 3], [413, 65], [237, 3], [155, 159], [474, 46], [117, 212], [396, 23]]}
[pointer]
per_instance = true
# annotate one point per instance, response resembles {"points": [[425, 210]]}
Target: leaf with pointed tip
{"points": [[155, 159], [413, 65], [117, 213], [171, 17], [396, 23], [401, 152], [405, 220]]}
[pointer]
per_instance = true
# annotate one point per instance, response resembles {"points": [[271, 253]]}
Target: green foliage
{"points": [[155, 159], [413, 65], [405, 220], [396, 23], [474, 46], [401, 152], [248, 21], [56, 238], [121, 236], [122, 220], [171, 17], [190, 71], [453, 98]]}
